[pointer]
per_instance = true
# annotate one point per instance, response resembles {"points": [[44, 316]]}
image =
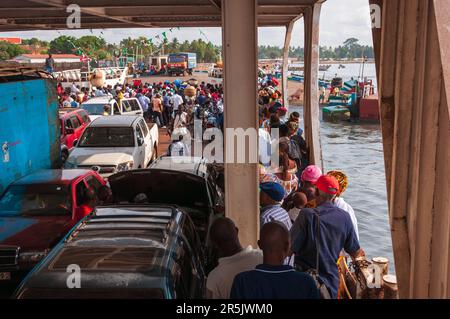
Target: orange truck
{"points": [[181, 63]]}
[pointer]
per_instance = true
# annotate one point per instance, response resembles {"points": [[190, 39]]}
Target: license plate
{"points": [[5, 276]]}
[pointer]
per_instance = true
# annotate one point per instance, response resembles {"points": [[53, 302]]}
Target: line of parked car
{"points": [[147, 235], [149, 239]]}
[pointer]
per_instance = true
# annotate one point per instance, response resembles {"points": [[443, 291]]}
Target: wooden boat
{"points": [[324, 67]]}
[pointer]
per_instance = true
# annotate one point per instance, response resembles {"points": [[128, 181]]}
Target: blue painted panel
{"points": [[29, 128]]}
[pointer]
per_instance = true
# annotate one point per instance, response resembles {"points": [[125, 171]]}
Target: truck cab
{"points": [[95, 106], [181, 63]]}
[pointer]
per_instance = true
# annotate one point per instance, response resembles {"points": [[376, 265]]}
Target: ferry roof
{"points": [[43, 14]]}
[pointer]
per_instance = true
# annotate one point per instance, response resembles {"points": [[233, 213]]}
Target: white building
{"points": [[40, 58]]}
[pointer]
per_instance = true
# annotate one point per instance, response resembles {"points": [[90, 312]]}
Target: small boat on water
{"points": [[341, 66], [351, 100], [324, 67]]}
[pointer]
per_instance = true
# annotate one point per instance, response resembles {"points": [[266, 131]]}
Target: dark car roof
{"points": [[124, 246], [58, 176]]}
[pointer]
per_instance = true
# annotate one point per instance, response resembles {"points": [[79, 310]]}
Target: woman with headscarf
{"points": [[287, 169], [339, 202]]}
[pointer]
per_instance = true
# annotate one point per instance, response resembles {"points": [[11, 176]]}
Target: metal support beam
{"points": [[311, 92], [99, 12], [240, 96]]}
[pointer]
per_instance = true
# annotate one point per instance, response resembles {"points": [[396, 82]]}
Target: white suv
{"points": [[95, 106], [112, 144]]}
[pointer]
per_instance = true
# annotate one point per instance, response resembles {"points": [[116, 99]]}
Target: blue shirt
{"points": [[273, 282], [144, 101], [166, 100], [336, 233]]}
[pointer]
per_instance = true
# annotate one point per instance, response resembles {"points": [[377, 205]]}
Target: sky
{"points": [[340, 20]]}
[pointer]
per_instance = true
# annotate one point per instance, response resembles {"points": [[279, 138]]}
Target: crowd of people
{"points": [[172, 105], [305, 223]]}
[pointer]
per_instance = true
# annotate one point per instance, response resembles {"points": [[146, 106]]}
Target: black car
{"points": [[190, 185], [193, 189], [126, 252]]}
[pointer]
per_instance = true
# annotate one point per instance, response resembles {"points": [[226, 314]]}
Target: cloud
{"points": [[340, 20]]}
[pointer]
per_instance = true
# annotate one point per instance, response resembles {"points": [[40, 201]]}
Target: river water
{"points": [[350, 70]]}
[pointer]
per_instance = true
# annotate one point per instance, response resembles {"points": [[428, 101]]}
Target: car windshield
{"points": [[107, 137], [94, 109], [36, 199]]}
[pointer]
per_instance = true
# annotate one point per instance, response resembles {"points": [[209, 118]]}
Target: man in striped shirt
{"points": [[271, 195]]}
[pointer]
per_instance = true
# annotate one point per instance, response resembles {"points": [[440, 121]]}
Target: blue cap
{"points": [[274, 190]]}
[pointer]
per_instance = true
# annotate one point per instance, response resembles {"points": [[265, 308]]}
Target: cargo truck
{"points": [[181, 63], [30, 127]]}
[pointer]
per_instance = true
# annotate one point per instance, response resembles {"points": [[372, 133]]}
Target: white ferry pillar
{"points": [[311, 91], [285, 67], [240, 43]]}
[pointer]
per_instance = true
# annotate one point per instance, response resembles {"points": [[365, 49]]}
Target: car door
{"points": [[69, 132], [140, 148], [134, 107], [84, 119], [148, 143], [78, 128], [115, 110], [126, 107], [79, 189]]}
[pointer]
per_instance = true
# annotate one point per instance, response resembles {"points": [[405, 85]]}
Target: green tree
{"points": [[63, 44], [10, 50]]}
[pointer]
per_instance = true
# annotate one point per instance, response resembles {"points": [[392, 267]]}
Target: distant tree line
{"points": [[349, 50], [98, 49]]}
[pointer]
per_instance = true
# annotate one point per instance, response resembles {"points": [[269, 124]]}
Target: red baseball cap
{"points": [[328, 184]]}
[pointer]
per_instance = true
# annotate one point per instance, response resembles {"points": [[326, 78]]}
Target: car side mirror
{"points": [[140, 141], [69, 130]]}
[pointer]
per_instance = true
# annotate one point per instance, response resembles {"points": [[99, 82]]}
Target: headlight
{"points": [[124, 166], [32, 256]]}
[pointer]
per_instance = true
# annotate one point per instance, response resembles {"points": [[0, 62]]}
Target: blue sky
{"points": [[340, 20]]}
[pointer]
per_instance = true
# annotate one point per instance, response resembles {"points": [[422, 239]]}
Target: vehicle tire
{"points": [[64, 156]]}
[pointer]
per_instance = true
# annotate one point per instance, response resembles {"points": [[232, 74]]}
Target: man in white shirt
{"points": [[339, 202], [177, 101], [234, 258]]}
